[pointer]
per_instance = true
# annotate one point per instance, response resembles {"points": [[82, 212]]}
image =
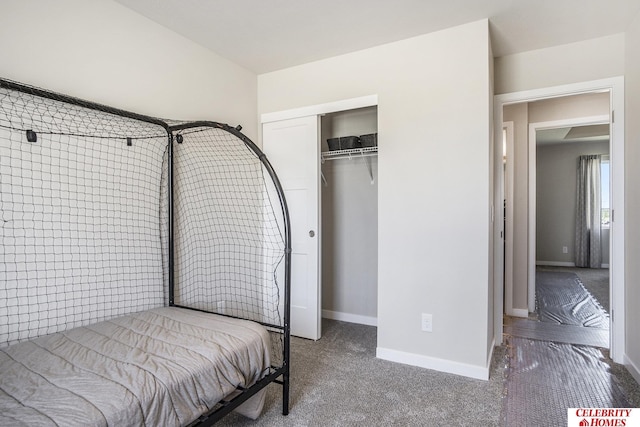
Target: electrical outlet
{"points": [[427, 322], [565, 250]]}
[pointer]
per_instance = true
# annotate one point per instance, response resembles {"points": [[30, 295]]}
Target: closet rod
{"points": [[352, 154]]}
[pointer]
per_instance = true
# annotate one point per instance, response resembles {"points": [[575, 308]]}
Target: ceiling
{"points": [[267, 35], [588, 133]]}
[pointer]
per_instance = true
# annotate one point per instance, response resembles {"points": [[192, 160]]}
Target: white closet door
{"points": [[292, 147]]}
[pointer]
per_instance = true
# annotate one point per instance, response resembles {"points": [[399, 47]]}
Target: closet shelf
{"points": [[350, 153], [353, 153]]}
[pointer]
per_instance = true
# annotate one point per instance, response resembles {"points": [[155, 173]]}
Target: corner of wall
{"points": [[441, 365], [633, 369], [419, 115], [107, 53]]}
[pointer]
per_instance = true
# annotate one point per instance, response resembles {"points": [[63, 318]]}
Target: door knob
{"points": [[312, 233]]}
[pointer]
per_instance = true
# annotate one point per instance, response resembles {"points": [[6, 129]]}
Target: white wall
{"points": [[434, 185], [632, 195], [570, 63], [103, 52], [350, 224]]}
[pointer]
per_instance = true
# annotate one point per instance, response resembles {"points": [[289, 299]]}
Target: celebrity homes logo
{"points": [[603, 417]]}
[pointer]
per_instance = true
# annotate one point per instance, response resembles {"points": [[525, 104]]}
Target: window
{"points": [[605, 211]]}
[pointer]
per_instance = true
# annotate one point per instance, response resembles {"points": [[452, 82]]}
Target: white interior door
{"points": [[292, 147]]}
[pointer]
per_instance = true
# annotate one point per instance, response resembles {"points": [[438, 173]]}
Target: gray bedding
{"points": [[162, 367]]}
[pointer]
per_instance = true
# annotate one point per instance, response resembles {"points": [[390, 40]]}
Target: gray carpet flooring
{"points": [[338, 381], [597, 283]]}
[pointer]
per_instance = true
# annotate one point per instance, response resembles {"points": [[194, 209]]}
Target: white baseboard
{"points": [[442, 365], [351, 318], [519, 312], [556, 263], [490, 358], [632, 368], [563, 264]]}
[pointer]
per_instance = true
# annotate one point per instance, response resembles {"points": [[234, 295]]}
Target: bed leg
{"points": [[285, 393]]}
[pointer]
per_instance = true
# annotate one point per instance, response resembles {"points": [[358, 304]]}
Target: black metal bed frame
{"points": [[279, 375]]}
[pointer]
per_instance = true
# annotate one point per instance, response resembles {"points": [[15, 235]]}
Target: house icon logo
{"points": [[583, 423]]}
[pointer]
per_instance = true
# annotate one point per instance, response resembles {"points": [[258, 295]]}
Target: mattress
{"points": [[165, 366]]}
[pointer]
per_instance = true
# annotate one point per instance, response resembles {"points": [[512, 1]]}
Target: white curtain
{"points": [[588, 220]]}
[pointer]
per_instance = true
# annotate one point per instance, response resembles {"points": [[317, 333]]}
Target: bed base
{"points": [[227, 406], [278, 375]]}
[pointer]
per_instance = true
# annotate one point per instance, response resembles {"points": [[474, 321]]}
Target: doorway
{"points": [[613, 89], [569, 285]]}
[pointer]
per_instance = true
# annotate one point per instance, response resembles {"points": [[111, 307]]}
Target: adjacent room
{"points": [[560, 131], [399, 202]]}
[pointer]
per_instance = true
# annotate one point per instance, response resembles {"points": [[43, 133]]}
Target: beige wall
{"points": [[569, 107], [103, 52], [433, 190], [632, 195], [576, 62], [556, 182], [519, 115], [496, 233]]}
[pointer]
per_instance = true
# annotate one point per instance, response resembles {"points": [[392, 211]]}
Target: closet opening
{"points": [[349, 215]]}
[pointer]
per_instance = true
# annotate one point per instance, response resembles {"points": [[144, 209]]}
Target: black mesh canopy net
{"points": [[90, 229]]}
